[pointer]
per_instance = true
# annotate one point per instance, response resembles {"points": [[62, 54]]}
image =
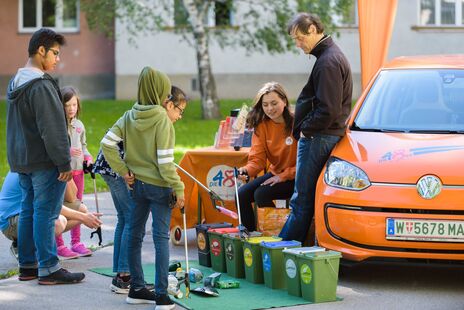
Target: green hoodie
{"points": [[148, 136]]}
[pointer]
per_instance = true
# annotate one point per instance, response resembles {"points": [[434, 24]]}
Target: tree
{"points": [[261, 26]]}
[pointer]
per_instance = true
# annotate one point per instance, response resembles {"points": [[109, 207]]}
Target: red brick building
{"points": [[87, 60]]}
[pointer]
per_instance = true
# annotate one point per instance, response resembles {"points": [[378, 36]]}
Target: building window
{"points": [[220, 14], [349, 18], [180, 14], [223, 13], [441, 13], [59, 15]]}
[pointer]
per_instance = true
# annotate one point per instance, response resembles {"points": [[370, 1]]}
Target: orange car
{"points": [[394, 185]]}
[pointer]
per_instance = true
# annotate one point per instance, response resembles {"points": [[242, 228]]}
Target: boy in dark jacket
{"points": [[38, 149]]}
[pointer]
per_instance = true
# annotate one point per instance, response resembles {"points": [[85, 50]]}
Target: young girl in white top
{"points": [[79, 154]]}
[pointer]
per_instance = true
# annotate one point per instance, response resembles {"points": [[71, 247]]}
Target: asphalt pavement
{"points": [[367, 286]]}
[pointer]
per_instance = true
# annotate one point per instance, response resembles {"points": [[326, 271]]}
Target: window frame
{"points": [[458, 22], [58, 18], [348, 25], [210, 18]]}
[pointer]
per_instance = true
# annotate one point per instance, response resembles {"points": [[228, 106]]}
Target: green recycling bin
{"points": [[291, 267], [204, 257], [216, 245], [252, 258], [233, 247], [319, 275], [273, 266]]}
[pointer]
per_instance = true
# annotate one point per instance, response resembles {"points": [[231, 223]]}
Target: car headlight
{"points": [[340, 173]]}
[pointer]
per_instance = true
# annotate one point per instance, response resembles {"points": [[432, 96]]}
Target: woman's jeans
{"points": [[122, 199], [262, 196], [313, 153], [148, 197], [40, 206]]}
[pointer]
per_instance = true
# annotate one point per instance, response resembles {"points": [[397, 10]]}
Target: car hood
{"points": [[404, 157]]}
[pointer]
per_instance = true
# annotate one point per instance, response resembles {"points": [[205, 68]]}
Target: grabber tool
{"points": [[89, 169], [243, 232], [186, 280], [217, 201]]}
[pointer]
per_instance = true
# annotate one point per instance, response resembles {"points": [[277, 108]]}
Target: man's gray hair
{"points": [[301, 22]]}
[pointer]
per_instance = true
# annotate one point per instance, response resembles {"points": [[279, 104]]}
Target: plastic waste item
{"points": [[227, 284], [195, 275], [211, 279], [173, 287], [205, 291], [180, 274], [174, 265]]}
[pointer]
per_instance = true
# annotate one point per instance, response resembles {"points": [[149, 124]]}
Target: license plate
{"points": [[424, 230]]}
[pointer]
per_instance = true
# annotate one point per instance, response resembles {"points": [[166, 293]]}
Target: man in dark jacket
{"points": [[38, 149], [320, 114]]}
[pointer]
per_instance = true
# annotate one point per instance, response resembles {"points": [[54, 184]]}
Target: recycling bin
{"points": [[203, 241], [273, 265], [319, 275], [216, 244], [291, 267], [252, 258], [233, 246]]}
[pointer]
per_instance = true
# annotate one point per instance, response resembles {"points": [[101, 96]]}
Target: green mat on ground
{"points": [[248, 296]]}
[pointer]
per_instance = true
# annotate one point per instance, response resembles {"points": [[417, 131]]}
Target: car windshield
{"points": [[420, 100]]}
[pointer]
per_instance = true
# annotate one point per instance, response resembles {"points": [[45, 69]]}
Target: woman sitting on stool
{"points": [[272, 142]]}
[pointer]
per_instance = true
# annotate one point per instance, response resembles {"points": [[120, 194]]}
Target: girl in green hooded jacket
{"points": [[148, 136]]}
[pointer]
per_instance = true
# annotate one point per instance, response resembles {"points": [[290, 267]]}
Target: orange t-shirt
{"points": [[271, 143]]}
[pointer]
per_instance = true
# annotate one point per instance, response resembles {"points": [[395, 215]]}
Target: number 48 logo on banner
{"points": [[220, 179]]}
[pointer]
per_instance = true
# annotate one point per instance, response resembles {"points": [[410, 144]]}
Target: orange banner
{"points": [[376, 19], [214, 169]]}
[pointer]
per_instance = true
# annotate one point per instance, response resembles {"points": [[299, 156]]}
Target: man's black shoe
{"points": [[27, 274], [141, 296], [163, 302], [62, 276]]}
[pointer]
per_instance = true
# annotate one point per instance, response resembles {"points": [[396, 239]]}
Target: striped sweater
{"points": [[148, 136]]}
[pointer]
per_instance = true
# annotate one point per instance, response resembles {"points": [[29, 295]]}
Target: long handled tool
{"points": [[243, 232], [218, 202], [88, 169], [186, 280], [187, 270]]}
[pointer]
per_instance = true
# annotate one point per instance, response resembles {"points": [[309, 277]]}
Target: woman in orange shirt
{"points": [[272, 143]]}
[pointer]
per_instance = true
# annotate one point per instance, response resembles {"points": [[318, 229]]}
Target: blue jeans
{"points": [[40, 206], [122, 199], [148, 197], [313, 153]]}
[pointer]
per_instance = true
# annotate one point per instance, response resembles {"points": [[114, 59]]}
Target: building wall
{"points": [[87, 60], [239, 75]]}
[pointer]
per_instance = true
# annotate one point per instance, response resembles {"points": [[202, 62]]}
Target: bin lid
{"points": [[236, 235], [321, 255], [302, 250], [256, 240], [280, 244], [213, 225], [223, 230]]}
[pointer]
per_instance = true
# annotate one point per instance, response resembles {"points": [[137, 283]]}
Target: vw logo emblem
{"points": [[429, 186]]}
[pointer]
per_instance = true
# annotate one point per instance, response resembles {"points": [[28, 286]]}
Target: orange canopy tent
{"points": [[376, 19]]}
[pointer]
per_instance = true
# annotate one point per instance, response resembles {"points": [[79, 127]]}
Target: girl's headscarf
{"points": [[154, 87]]}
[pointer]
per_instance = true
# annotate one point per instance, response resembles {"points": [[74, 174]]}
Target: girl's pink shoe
{"points": [[64, 252], [81, 249]]}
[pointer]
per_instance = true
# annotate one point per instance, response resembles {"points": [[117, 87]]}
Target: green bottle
{"points": [[173, 265], [228, 284]]}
